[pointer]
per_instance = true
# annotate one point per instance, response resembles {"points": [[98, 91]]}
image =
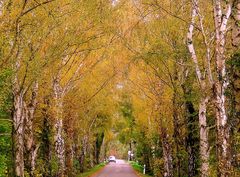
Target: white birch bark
{"points": [[18, 134], [204, 144], [223, 145], [18, 124], [59, 92], [58, 135]]}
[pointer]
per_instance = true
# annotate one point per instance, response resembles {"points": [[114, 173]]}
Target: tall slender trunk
{"points": [[204, 145], [223, 132], [58, 127], [130, 149], [81, 160], [83, 152], [18, 133], [18, 124], [30, 146], [167, 153]]}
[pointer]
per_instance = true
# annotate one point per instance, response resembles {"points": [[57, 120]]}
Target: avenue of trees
{"points": [[82, 79]]}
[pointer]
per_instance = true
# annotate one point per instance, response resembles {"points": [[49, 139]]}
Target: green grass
{"points": [[138, 168], [92, 170]]}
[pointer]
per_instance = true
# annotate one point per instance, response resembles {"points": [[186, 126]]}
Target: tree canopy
{"points": [[84, 79]]}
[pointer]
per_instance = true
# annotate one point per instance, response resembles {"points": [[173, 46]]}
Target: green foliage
{"points": [[234, 60], [5, 92], [126, 124], [138, 168], [5, 150], [5, 123]]}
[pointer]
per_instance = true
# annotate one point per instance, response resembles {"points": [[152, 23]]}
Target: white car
{"points": [[112, 159]]}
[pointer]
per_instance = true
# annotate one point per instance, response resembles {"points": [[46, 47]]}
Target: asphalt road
{"points": [[118, 169]]}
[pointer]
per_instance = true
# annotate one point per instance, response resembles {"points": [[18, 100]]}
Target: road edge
{"points": [[97, 172]]}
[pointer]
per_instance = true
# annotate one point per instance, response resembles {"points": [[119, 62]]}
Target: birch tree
{"points": [[203, 83], [222, 12], [218, 85]]}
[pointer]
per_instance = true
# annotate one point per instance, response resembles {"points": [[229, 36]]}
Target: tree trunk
{"points": [[83, 153], [223, 135], [167, 154], [58, 127], [30, 147], [223, 131], [18, 133], [204, 146], [69, 130], [81, 160]]}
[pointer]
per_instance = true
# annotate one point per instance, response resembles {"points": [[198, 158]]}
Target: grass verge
{"points": [[138, 168], [92, 170]]}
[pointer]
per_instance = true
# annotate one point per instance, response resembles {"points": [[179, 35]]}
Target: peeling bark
{"points": [[58, 127], [223, 131], [18, 124], [59, 92], [204, 145], [18, 134]]}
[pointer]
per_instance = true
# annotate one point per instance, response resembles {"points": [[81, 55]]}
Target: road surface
{"points": [[118, 169]]}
